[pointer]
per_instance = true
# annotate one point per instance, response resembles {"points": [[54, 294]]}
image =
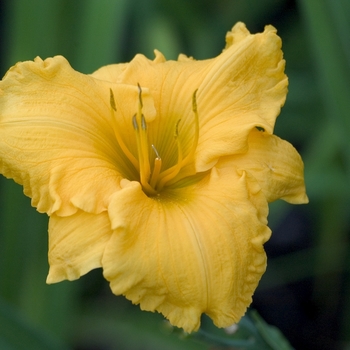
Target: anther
{"points": [[140, 94], [168, 175], [152, 177], [111, 100], [194, 101], [143, 122], [119, 137], [176, 133], [134, 123]]}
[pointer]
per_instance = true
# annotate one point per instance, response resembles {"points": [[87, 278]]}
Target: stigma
{"points": [[148, 162]]}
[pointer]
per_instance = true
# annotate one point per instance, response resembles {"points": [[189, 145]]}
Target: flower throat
{"points": [[153, 177]]}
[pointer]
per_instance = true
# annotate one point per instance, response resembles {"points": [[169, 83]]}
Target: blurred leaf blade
{"points": [[17, 333], [23, 240], [93, 33], [99, 35], [330, 56]]}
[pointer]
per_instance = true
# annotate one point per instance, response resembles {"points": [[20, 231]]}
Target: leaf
{"points": [[18, 333]]}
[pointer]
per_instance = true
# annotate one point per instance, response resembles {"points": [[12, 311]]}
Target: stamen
{"points": [[143, 122], [154, 179], [134, 123], [120, 141], [140, 97], [112, 100], [172, 172], [156, 168], [144, 176], [196, 128], [140, 126], [176, 133]]}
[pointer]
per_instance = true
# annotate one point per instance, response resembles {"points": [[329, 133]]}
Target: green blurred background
{"points": [[306, 289]]}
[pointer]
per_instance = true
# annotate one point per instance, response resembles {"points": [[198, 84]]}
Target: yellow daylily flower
{"points": [[157, 171]]}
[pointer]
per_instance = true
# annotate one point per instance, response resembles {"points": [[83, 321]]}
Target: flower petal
{"points": [[172, 85], [58, 135], [76, 244], [275, 165], [192, 250], [244, 87]]}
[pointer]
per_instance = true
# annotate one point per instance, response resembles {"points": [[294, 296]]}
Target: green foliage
{"points": [[316, 118], [18, 333]]}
